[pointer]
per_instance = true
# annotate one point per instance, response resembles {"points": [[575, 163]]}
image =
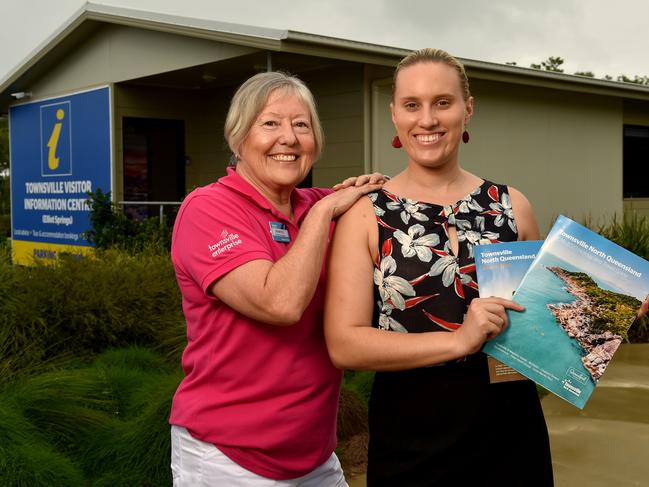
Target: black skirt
{"points": [[448, 426]]}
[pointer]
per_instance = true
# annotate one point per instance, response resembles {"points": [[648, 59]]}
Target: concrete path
{"points": [[607, 443]]}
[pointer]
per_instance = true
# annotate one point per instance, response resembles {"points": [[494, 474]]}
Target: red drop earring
{"points": [[396, 142], [465, 137]]}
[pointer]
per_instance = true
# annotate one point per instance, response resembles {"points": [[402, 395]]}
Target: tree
{"points": [[4, 144], [5, 208], [553, 63], [638, 80], [550, 64]]}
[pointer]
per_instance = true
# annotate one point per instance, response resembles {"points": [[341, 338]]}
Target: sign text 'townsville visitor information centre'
{"points": [[60, 150]]}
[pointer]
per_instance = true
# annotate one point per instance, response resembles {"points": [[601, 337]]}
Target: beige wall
{"points": [[339, 96], [203, 113], [210, 154], [117, 53], [384, 158], [637, 205], [562, 149]]}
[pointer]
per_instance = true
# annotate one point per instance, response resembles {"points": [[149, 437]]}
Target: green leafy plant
{"points": [[111, 228]]}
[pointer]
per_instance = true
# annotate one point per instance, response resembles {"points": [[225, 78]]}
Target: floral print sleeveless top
{"points": [[420, 285]]}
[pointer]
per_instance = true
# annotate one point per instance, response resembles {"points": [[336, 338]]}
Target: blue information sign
{"points": [[60, 150]]}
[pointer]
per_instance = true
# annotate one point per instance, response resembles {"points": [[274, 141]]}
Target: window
{"points": [[636, 161]]}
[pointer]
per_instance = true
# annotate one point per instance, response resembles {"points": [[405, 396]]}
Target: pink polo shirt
{"points": [[265, 395]]}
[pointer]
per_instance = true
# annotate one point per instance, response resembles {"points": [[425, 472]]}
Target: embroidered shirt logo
{"points": [[227, 242]]}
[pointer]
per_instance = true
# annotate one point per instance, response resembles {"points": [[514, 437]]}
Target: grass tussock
{"points": [[86, 306], [100, 424], [631, 232]]}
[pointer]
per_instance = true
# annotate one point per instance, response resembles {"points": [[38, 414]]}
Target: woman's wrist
{"points": [[324, 209]]}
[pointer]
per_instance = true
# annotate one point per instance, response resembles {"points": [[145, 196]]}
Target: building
{"points": [[574, 145]]}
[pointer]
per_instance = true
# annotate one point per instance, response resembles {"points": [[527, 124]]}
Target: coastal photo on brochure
{"points": [[581, 294]]}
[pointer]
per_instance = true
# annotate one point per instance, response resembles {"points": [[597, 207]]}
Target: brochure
{"points": [[581, 294], [500, 268]]}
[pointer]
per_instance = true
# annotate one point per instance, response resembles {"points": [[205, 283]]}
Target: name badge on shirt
{"points": [[279, 232]]}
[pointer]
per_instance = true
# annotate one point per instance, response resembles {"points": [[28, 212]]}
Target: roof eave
{"points": [[262, 38], [298, 43], [43, 49], [549, 79]]}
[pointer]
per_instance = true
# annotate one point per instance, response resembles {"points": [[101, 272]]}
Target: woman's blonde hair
{"points": [[430, 55], [250, 99]]}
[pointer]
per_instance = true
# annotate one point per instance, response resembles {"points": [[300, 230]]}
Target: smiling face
{"points": [[280, 147], [430, 113]]}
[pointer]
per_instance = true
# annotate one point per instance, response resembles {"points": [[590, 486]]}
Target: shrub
{"points": [[360, 382], [5, 251], [639, 331], [111, 228], [5, 226], [85, 306]]}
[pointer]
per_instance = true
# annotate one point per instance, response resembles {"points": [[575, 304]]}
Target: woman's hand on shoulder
{"points": [[528, 228], [373, 178], [343, 199]]}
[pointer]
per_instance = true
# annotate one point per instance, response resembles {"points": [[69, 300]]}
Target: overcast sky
{"points": [[606, 37]]}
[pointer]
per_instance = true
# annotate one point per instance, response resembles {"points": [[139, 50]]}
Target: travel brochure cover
{"points": [[501, 267], [581, 294]]}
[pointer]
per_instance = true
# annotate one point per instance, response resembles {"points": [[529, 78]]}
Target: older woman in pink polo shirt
{"points": [[258, 403]]}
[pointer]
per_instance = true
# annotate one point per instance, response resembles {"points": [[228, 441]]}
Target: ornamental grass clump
{"points": [[65, 406], [85, 306], [26, 457], [631, 232], [133, 448], [102, 424]]}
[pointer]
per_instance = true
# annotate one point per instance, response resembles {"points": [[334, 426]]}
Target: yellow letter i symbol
{"points": [[52, 160]]}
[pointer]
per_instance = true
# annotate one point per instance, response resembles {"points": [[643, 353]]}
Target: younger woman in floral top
{"points": [[403, 300]]}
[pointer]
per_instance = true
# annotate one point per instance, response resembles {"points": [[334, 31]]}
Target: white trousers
{"points": [[195, 463]]}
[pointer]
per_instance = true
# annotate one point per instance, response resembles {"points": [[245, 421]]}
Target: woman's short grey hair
{"points": [[250, 99]]}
